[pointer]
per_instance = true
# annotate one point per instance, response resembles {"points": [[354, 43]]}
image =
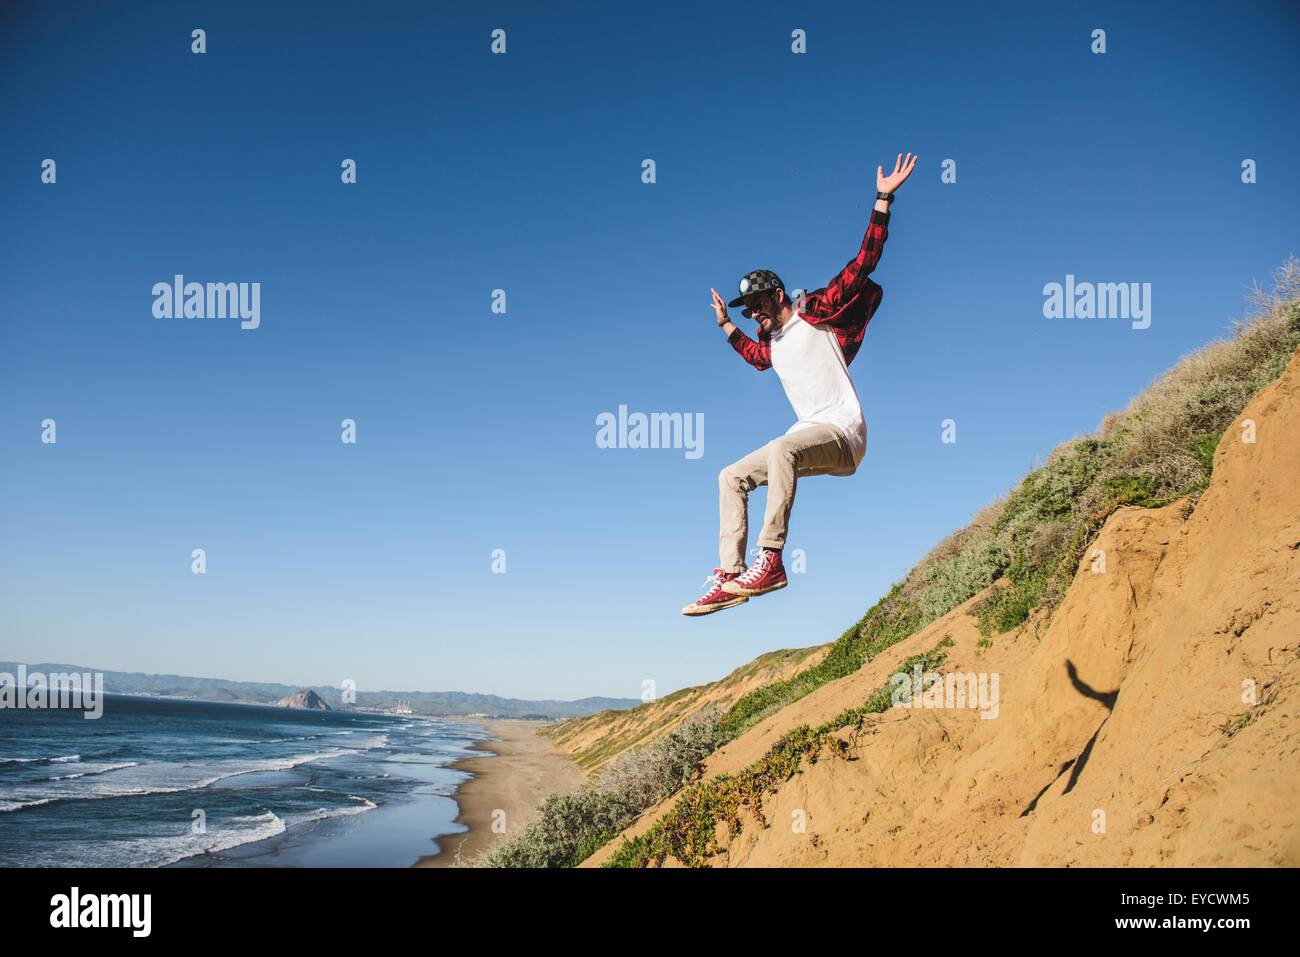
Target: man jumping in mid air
{"points": [[810, 344]]}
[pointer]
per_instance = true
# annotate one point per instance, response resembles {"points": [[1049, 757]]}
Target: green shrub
{"points": [[1203, 447], [688, 831], [568, 828], [888, 621], [952, 580], [1132, 488]]}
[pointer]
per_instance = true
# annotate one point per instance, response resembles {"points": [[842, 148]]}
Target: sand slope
{"points": [[1122, 736], [596, 740]]}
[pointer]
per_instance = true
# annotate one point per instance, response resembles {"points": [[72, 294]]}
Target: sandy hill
{"points": [[1152, 719], [596, 740]]}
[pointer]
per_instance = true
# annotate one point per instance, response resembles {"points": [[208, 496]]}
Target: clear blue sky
{"points": [[522, 172]]}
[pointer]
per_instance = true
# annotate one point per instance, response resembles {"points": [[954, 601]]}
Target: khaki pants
{"points": [[816, 450]]}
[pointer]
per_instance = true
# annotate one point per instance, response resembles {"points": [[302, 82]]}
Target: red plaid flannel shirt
{"points": [[847, 303]]}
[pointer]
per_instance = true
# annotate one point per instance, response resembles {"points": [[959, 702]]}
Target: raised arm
{"points": [[850, 280], [758, 354]]}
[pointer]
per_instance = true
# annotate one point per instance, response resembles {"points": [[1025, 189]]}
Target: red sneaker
{"points": [[765, 575], [714, 599]]}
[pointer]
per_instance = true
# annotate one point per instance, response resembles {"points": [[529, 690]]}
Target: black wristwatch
{"points": [[887, 197]]}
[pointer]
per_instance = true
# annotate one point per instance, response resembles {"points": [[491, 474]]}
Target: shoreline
{"points": [[516, 770]]}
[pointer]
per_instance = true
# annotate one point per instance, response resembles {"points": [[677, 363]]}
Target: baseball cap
{"points": [[760, 280]]}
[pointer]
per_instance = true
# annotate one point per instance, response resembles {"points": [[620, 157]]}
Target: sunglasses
{"points": [[765, 303]]}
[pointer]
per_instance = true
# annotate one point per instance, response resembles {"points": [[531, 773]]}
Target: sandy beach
{"points": [[518, 770]]}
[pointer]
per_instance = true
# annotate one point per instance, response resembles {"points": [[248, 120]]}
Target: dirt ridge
{"points": [[1151, 721]]}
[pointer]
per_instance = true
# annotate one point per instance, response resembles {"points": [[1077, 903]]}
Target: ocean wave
{"points": [[161, 851], [6, 806], [323, 813], [92, 770], [60, 759], [265, 817], [147, 778], [222, 836]]}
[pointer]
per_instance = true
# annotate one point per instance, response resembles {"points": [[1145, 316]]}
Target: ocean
{"points": [[157, 782]]}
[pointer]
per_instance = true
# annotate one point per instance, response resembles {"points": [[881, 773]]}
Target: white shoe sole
{"points": [[695, 610]]}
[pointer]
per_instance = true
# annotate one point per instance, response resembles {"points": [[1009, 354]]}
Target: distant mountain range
{"points": [[435, 703]]}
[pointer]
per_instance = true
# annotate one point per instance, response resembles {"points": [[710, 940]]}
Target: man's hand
{"points": [[902, 169], [720, 307]]}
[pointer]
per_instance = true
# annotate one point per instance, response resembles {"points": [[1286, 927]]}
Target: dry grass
{"points": [[1157, 448]]}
